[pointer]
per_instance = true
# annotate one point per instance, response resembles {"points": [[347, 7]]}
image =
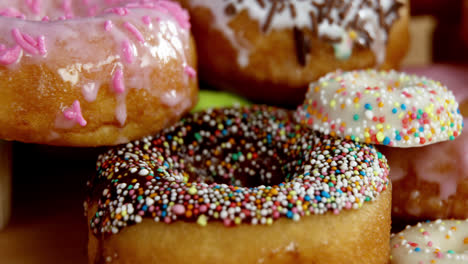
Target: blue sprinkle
{"points": [[398, 137], [417, 249], [363, 173], [386, 141], [337, 171], [368, 106], [307, 198], [289, 214], [403, 106], [144, 208], [164, 206], [163, 214], [394, 110], [325, 194], [318, 198], [224, 132], [421, 129]]}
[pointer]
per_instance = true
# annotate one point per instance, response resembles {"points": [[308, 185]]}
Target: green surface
{"points": [[210, 99]]}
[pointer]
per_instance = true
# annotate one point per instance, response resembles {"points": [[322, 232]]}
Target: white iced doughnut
{"points": [[441, 242], [382, 107]]}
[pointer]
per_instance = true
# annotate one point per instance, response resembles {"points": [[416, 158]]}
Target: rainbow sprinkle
{"points": [[379, 107], [235, 165]]}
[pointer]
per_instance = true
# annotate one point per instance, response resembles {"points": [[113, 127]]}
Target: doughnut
{"points": [[382, 107], [269, 51], [441, 242], [93, 72], [432, 182], [242, 184]]}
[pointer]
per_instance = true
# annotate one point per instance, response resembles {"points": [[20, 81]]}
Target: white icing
{"points": [[441, 242], [364, 12]]}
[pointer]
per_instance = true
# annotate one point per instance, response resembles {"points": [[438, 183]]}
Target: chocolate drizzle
{"points": [[302, 44], [329, 20]]}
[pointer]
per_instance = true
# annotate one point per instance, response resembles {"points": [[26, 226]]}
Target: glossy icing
{"points": [[441, 242], [367, 21], [125, 40]]}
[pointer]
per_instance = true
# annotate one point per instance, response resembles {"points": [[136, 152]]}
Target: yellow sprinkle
{"points": [[192, 190], [380, 136], [202, 220], [333, 103], [352, 35]]}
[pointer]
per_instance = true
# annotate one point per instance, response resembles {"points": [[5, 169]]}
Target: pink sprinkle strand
{"points": [[74, 113], [34, 5], [41, 45], [108, 25], [127, 51], [121, 11], [10, 56], [67, 8], [30, 39], [45, 18], [146, 20], [130, 27], [190, 71], [23, 43], [118, 81], [10, 12]]}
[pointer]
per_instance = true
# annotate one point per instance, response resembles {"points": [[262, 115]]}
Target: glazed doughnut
{"points": [[248, 183], [93, 72], [382, 107], [432, 182], [269, 51], [441, 242]]}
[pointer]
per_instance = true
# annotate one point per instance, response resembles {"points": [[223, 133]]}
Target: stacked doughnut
{"points": [[269, 51], [249, 183], [94, 72], [404, 113]]}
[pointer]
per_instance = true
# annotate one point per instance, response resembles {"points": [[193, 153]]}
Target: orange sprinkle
{"points": [[465, 241]]}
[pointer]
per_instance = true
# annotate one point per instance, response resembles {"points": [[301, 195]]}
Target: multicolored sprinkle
{"points": [[382, 107], [441, 242], [235, 165]]}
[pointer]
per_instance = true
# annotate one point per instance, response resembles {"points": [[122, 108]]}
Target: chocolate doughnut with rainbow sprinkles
{"points": [[242, 184], [93, 72]]}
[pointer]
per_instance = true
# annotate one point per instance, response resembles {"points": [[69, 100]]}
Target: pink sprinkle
{"points": [[167, 220], [227, 222], [130, 27], [146, 20], [118, 81], [9, 56], [425, 233], [203, 208], [35, 6], [439, 255], [45, 18], [121, 11], [92, 10], [108, 25], [127, 51], [429, 243], [41, 45], [190, 71], [67, 8], [23, 43], [74, 113], [30, 39], [178, 209], [10, 12]]}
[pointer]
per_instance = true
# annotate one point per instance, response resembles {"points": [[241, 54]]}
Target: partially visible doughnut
{"points": [[441, 242], [94, 72], [269, 51], [247, 183], [432, 182], [382, 107]]}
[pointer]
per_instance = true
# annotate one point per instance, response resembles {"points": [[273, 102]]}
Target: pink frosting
{"points": [[136, 34]]}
